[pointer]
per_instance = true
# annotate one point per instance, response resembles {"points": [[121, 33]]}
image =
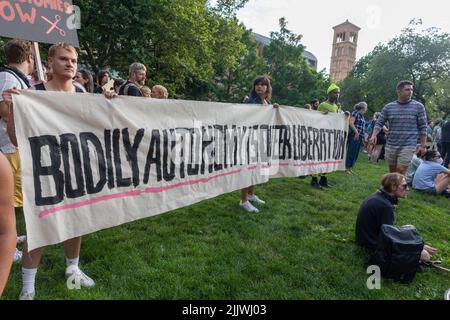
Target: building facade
{"points": [[343, 55]]}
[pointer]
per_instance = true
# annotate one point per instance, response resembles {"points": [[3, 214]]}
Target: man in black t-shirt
{"points": [[132, 87]]}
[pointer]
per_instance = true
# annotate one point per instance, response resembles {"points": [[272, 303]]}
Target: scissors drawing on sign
{"points": [[54, 25]]}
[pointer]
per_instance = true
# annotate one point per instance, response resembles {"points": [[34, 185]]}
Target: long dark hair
{"points": [[430, 155], [89, 86], [100, 75], [264, 80]]}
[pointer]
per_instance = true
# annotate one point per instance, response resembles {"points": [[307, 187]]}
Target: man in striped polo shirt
{"points": [[407, 123]]}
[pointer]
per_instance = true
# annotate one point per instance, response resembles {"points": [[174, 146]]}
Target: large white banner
{"points": [[89, 163]]}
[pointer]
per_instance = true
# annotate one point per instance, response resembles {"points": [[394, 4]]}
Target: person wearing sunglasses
{"points": [[378, 209], [431, 176]]}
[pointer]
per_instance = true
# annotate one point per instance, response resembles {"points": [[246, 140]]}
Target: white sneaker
{"points": [[254, 198], [80, 277], [26, 295], [21, 239], [247, 206], [17, 256]]}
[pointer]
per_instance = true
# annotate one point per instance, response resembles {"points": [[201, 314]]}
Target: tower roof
{"points": [[347, 23]]}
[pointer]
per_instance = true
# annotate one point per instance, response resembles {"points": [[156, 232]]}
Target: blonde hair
{"points": [[62, 45], [391, 180], [162, 88], [146, 90]]}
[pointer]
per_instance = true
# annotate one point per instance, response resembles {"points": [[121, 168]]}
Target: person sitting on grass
{"points": [[416, 161], [431, 176], [378, 209]]}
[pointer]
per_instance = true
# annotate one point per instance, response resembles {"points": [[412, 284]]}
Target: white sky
{"points": [[379, 20]]}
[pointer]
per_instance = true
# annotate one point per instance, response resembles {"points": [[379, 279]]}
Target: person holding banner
{"points": [[7, 221], [103, 77], [62, 59], [20, 64], [138, 74], [261, 94], [330, 105], [84, 78], [159, 92]]}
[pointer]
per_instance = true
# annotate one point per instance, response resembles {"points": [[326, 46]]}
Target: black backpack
{"points": [[398, 252]]}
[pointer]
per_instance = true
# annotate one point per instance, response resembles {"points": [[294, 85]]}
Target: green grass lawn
{"points": [[301, 246]]}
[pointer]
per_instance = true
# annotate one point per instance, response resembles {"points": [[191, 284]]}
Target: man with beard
{"points": [[136, 81]]}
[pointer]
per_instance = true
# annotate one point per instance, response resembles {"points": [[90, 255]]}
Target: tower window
{"points": [[340, 37], [352, 37]]}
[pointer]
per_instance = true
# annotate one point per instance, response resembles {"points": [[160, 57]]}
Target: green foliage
{"points": [[294, 83], [229, 7], [234, 74], [196, 50], [422, 56]]}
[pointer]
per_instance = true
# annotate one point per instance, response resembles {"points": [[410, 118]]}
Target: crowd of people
{"points": [[400, 128]]}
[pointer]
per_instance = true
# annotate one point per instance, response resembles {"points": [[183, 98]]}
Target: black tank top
{"points": [[41, 87]]}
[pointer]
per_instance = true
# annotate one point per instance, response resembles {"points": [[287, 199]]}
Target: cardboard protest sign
{"points": [[89, 163], [109, 86], [49, 21]]}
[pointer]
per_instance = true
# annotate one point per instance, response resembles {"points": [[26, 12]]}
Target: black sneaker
{"points": [[315, 184], [324, 182]]}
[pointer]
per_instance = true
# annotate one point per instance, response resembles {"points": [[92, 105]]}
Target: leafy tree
{"points": [[294, 82], [229, 7], [171, 37], [236, 67], [422, 56]]}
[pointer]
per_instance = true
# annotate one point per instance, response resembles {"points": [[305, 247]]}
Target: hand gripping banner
{"points": [[89, 163]]}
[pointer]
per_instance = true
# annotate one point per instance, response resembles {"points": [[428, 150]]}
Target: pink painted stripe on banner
{"points": [[133, 193], [302, 165], [136, 193]]}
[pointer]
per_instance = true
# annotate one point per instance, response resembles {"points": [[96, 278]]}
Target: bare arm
{"points": [[4, 111], [7, 221], [352, 125], [7, 101]]}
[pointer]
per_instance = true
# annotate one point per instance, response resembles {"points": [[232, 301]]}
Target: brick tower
{"points": [[343, 55]]}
